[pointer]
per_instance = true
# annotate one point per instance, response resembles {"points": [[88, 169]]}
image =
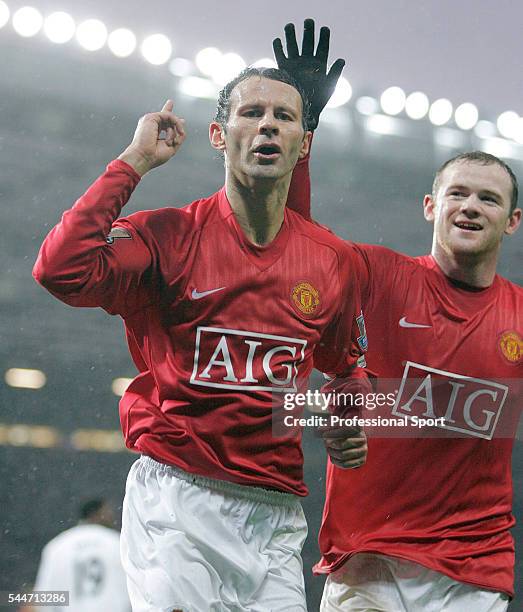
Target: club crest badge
{"points": [[305, 298], [511, 346]]}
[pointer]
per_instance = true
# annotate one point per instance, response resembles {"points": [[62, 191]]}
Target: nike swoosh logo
{"points": [[405, 323], [198, 295]]}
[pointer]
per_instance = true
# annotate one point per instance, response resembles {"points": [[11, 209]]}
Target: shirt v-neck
{"points": [[262, 257], [468, 299]]}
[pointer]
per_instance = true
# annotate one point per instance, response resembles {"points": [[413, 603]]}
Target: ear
{"points": [[513, 221], [217, 136], [305, 145], [429, 206]]}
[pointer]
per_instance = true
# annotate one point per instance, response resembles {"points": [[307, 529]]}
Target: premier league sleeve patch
{"points": [[117, 232]]}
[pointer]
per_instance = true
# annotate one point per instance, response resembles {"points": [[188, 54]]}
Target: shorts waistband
{"points": [[255, 494]]}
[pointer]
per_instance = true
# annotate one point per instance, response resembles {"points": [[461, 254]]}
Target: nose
{"points": [[268, 124], [470, 205]]}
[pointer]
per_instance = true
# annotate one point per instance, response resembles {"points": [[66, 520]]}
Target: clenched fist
{"points": [[148, 150], [346, 446]]}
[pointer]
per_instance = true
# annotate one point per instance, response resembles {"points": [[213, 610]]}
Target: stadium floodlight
{"points": [[485, 129], [382, 124], [4, 14], [392, 100], [121, 42], [264, 62], [500, 147], [366, 105], [466, 116], [440, 111], [230, 65], [180, 67], [197, 87], [59, 27], [508, 124], [208, 60], [342, 94], [156, 49], [27, 21], [449, 138], [25, 378], [44, 437], [417, 105], [19, 435], [91, 34]]}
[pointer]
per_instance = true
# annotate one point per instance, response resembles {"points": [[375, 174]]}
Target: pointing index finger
{"points": [[168, 106]]}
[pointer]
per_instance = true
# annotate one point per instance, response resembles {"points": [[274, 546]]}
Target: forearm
{"points": [[137, 161], [73, 255], [299, 197]]}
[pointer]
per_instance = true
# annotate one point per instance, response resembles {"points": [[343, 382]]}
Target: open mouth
{"points": [[267, 151], [468, 226]]}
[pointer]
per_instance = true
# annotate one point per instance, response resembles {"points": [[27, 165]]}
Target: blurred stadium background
{"points": [[64, 114]]}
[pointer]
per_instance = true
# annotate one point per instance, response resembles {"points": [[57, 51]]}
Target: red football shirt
{"points": [[443, 499], [219, 329]]}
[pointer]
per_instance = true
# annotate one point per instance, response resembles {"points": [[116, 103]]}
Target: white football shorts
{"points": [[200, 545], [389, 584]]}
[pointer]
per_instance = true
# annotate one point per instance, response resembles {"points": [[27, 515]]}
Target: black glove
{"points": [[309, 70]]}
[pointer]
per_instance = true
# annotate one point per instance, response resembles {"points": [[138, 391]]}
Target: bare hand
{"points": [[148, 149], [346, 446]]}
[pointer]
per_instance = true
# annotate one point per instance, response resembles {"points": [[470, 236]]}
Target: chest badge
{"points": [[305, 298], [511, 346]]}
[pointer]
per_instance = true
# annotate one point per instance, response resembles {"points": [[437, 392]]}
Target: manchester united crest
{"points": [[511, 346], [305, 298]]}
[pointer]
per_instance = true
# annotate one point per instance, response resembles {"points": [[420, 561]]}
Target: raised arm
{"points": [[310, 71], [92, 259]]}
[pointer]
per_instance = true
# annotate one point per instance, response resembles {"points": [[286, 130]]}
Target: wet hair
{"points": [[223, 106], [486, 159], [91, 507]]}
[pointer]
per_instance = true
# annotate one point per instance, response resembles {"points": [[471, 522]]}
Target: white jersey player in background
{"points": [[85, 561]]}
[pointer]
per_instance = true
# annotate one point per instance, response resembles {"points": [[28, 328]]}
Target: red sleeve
{"points": [[377, 273], [340, 354], [87, 259], [299, 198], [365, 277]]}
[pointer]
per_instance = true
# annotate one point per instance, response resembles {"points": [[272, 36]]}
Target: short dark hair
{"points": [[223, 106], [91, 507], [480, 157]]}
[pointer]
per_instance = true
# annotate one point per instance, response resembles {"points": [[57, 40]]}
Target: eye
{"points": [[490, 199], [252, 112], [283, 116], [456, 193]]}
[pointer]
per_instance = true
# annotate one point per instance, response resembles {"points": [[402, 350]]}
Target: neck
{"points": [[473, 270], [258, 206]]}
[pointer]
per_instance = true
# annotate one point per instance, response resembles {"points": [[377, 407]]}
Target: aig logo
{"points": [[468, 405], [232, 359]]}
